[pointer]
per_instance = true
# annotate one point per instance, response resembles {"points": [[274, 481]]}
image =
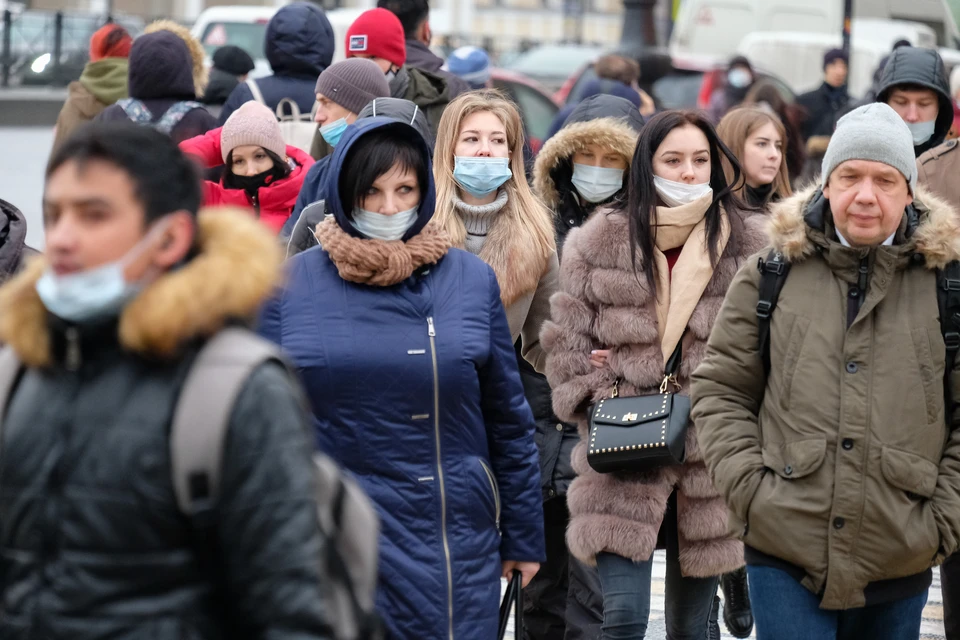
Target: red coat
{"points": [[275, 201]]}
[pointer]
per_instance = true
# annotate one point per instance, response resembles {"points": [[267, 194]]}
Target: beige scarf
{"points": [[678, 295]]}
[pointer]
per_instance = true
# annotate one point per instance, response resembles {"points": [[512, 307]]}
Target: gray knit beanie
{"points": [[353, 83], [872, 132]]}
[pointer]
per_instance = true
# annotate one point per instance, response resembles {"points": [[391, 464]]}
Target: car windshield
{"points": [[249, 36], [678, 91]]}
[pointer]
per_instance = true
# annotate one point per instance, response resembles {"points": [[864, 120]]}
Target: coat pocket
{"points": [[904, 516], [795, 460], [909, 472], [495, 489]]}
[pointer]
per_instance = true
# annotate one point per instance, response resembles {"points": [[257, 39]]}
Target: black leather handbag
{"points": [[640, 433], [513, 596]]}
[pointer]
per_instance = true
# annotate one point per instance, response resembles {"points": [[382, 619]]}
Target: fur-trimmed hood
{"points": [[237, 268], [932, 227], [197, 54], [613, 131]]}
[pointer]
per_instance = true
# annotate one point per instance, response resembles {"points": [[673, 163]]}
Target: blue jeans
{"points": [[626, 593], [784, 610]]}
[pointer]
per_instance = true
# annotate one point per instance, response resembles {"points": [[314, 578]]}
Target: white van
{"points": [[716, 27], [246, 27]]}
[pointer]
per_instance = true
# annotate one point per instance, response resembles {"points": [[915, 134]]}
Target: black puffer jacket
{"points": [[93, 545], [924, 68], [607, 121]]}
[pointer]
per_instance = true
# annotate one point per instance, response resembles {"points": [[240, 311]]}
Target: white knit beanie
{"points": [[872, 132], [255, 124]]}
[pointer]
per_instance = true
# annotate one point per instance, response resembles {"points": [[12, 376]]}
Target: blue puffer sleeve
{"points": [[513, 452]]}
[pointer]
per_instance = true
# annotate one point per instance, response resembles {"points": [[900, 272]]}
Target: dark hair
{"points": [[114, 36], [412, 14], [642, 194], [164, 179], [619, 68], [373, 155], [280, 167]]}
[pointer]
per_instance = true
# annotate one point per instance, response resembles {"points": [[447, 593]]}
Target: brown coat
{"points": [[939, 171], [839, 462], [602, 304], [81, 107]]}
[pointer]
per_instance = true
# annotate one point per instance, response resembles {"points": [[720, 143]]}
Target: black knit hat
{"points": [[833, 55], [233, 60], [160, 67]]}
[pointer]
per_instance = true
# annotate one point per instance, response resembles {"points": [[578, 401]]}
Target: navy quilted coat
{"points": [[414, 388]]}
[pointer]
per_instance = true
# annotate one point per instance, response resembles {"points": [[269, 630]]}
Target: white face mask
{"points": [[739, 78], [677, 194], [378, 226], [596, 184], [922, 131]]}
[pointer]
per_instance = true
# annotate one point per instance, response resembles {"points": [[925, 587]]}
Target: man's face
{"points": [[835, 73], [329, 111], [92, 217], [867, 200], [915, 105]]}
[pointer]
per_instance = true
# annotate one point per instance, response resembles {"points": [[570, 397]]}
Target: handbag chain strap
{"points": [[670, 371]]}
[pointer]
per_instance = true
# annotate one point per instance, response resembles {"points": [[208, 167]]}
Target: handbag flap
{"points": [[629, 412]]}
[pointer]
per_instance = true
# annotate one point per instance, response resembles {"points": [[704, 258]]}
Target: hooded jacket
{"points": [[419, 56], [841, 462], [160, 76], [13, 234], [924, 68], [299, 45], [198, 56], [273, 203], [220, 87], [313, 191], [414, 389], [93, 543], [601, 86], [611, 122], [428, 91], [101, 84], [602, 302]]}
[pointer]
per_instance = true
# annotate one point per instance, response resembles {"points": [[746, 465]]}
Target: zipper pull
{"points": [[430, 330], [73, 357]]}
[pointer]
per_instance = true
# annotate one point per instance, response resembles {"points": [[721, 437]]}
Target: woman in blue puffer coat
{"points": [[404, 350]]}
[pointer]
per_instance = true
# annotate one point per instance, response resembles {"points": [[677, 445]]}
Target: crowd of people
{"points": [[442, 315]]}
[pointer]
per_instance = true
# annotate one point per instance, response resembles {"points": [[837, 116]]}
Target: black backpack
{"points": [[773, 275]]}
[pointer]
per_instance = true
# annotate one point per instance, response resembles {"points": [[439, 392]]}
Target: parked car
{"points": [[551, 65], [537, 108]]}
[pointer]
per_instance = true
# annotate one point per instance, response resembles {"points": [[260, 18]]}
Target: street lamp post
{"points": [[847, 16], [639, 27]]}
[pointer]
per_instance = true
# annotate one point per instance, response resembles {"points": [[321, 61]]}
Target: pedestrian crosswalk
{"points": [[930, 629]]}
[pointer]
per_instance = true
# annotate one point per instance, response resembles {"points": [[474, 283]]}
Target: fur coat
{"points": [[604, 303]]}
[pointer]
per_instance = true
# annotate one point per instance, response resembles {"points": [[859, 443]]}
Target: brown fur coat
{"points": [[602, 304]]}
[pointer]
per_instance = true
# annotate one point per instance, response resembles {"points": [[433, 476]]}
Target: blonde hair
{"points": [[535, 221], [735, 128]]}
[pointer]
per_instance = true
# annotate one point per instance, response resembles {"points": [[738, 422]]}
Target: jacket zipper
{"points": [[494, 488], [72, 357], [256, 205], [443, 494]]}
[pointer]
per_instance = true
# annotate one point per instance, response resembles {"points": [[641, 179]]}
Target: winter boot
{"points": [[736, 606]]}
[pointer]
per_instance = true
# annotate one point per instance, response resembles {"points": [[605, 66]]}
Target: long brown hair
{"points": [[536, 222], [736, 127]]}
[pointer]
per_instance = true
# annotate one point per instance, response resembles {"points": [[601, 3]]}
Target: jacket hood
{"points": [[161, 67], [931, 223], [237, 268], [197, 54], [402, 111], [922, 67], [427, 89], [604, 120], [14, 226], [353, 133], [299, 41], [106, 79], [606, 86]]}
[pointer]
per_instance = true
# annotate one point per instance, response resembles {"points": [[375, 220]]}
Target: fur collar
{"points": [[237, 268], [937, 236], [378, 262], [607, 132]]}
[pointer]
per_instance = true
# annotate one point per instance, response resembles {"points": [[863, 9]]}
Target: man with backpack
{"points": [[825, 406], [156, 478], [162, 91]]}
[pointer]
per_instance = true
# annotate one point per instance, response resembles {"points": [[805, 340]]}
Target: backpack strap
{"points": [[255, 91], [172, 116], [136, 110], [203, 411], [773, 275], [948, 303]]}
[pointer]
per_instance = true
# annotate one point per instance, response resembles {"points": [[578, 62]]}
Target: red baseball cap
{"points": [[379, 34]]}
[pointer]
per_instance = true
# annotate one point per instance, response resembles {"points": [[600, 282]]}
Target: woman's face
{"points": [[595, 155], [250, 160], [762, 155], [392, 192], [683, 156], [482, 134]]}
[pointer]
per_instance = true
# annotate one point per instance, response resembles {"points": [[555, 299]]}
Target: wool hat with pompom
{"points": [[252, 124]]}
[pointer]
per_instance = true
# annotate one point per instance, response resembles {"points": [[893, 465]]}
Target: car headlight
{"points": [[41, 63]]}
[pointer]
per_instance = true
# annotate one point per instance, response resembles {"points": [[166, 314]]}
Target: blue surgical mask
{"points": [[739, 78], [481, 176], [596, 184], [94, 294], [378, 226], [922, 131], [333, 131]]}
